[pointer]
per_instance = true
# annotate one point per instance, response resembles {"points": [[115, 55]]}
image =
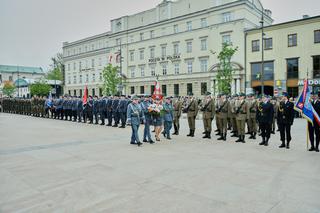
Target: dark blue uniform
{"points": [[265, 119]]}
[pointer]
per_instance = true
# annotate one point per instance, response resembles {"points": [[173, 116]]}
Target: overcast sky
{"points": [[32, 31]]}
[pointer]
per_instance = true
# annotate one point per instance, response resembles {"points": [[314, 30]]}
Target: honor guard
{"points": [[177, 106], [252, 122], [265, 118], [134, 117], [223, 109], [208, 112], [285, 117], [168, 117], [192, 111], [233, 115], [314, 129], [242, 115]]}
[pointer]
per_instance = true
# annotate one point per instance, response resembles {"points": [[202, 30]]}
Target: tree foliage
{"points": [[40, 89], [225, 70], [111, 79], [8, 89], [55, 72]]}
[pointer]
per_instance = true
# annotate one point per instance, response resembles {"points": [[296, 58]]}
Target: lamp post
{"points": [[262, 52], [120, 55], [18, 81]]}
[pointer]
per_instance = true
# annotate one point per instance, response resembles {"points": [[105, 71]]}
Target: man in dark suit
{"points": [[115, 111], [95, 109], [109, 110], [102, 109], [315, 129], [285, 117], [265, 118]]}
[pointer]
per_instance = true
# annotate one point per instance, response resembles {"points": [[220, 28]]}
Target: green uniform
{"points": [[177, 107], [243, 113], [208, 110]]}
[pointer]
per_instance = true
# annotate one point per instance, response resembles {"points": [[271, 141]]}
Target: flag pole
{"points": [[308, 121]]}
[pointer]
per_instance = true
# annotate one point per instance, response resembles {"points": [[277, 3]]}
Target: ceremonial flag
{"points": [[304, 106], [110, 58], [49, 103], [157, 91], [85, 97]]}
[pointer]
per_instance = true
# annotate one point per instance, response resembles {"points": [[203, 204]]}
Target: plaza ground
{"points": [[57, 166]]}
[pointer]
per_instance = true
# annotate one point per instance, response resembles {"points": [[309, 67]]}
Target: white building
{"points": [[175, 40]]}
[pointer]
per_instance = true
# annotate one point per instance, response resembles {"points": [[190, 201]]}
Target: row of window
{"points": [[93, 92], [176, 48], [292, 41], [292, 69], [164, 68], [86, 65], [176, 89], [226, 17], [84, 78]]}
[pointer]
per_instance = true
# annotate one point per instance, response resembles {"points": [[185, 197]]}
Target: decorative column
{"points": [[233, 87], [238, 90]]}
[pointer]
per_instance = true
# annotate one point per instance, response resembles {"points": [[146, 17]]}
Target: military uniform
{"points": [[192, 111], [265, 118], [208, 112], [242, 114], [177, 106], [134, 117], [285, 117], [223, 109]]}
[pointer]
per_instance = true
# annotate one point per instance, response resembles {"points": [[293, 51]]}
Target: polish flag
{"points": [[118, 57], [85, 97], [110, 58]]}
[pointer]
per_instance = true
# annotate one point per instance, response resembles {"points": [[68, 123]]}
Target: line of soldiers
{"points": [[232, 114]]}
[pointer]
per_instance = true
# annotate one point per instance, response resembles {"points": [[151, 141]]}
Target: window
{"points": [[10, 78], [141, 89], [132, 72], [204, 88], [293, 91], [74, 66], [189, 89], [203, 22], [152, 52], [74, 79], [164, 69], [80, 66], [92, 62], [100, 76], [93, 77], [292, 40], [268, 74], [68, 67], [255, 45], [293, 68], [226, 17], [163, 31], [151, 89], [131, 39], [100, 92], [163, 51], [69, 79], [176, 69], [153, 71], [316, 66], [142, 71], [141, 54], [141, 36], [132, 90], [86, 48], [80, 92], [152, 34], [87, 78], [131, 56], [189, 47], [317, 36], [92, 46], [100, 62], [268, 43], [175, 29], [189, 67], [164, 90], [203, 44], [189, 26], [86, 64], [80, 79], [118, 41], [176, 49], [204, 65], [226, 39], [0, 78], [176, 90]]}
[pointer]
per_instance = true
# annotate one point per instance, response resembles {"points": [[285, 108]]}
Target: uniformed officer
{"points": [[122, 110], [89, 109], [233, 116], [314, 129], [95, 109], [102, 109], [109, 110], [79, 109], [252, 122], [134, 117], [208, 112], [242, 115], [285, 117], [223, 109], [168, 117], [265, 118], [145, 104], [115, 111], [192, 111], [177, 106]]}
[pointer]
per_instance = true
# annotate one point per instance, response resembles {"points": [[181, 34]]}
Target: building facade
{"points": [[177, 41], [14, 74], [291, 53]]}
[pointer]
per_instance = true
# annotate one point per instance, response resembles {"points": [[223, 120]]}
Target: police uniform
{"points": [[265, 118], [134, 117]]}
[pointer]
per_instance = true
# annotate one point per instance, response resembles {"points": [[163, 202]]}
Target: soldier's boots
{"points": [[209, 135], [205, 134], [235, 134], [243, 139], [188, 135], [263, 141], [192, 133], [223, 137], [267, 142], [175, 130], [218, 133], [283, 145], [239, 139], [288, 145]]}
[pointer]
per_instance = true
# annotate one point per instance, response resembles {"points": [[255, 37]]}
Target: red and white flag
{"points": [[85, 97], [110, 58], [157, 91]]}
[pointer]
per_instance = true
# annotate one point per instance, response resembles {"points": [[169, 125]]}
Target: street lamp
{"points": [[262, 52], [18, 81]]}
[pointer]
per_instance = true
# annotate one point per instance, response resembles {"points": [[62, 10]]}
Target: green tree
{"points": [[55, 74], [225, 71], [40, 89], [8, 89], [56, 71], [111, 79]]}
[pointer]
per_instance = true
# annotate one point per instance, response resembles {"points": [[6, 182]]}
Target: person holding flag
{"points": [[315, 129], [304, 105]]}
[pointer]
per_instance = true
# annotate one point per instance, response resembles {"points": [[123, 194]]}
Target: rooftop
{"points": [[21, 69]]}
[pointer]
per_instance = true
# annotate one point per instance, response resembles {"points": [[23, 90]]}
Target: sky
{"points": [[32, 31]]}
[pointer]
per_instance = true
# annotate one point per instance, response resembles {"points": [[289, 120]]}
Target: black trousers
{"points": [[314, 130], [123, 118], [265, 130], [285, 132], [102, 115]]}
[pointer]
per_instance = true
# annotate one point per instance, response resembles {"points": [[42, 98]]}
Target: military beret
{"points": [[135, 97]]}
